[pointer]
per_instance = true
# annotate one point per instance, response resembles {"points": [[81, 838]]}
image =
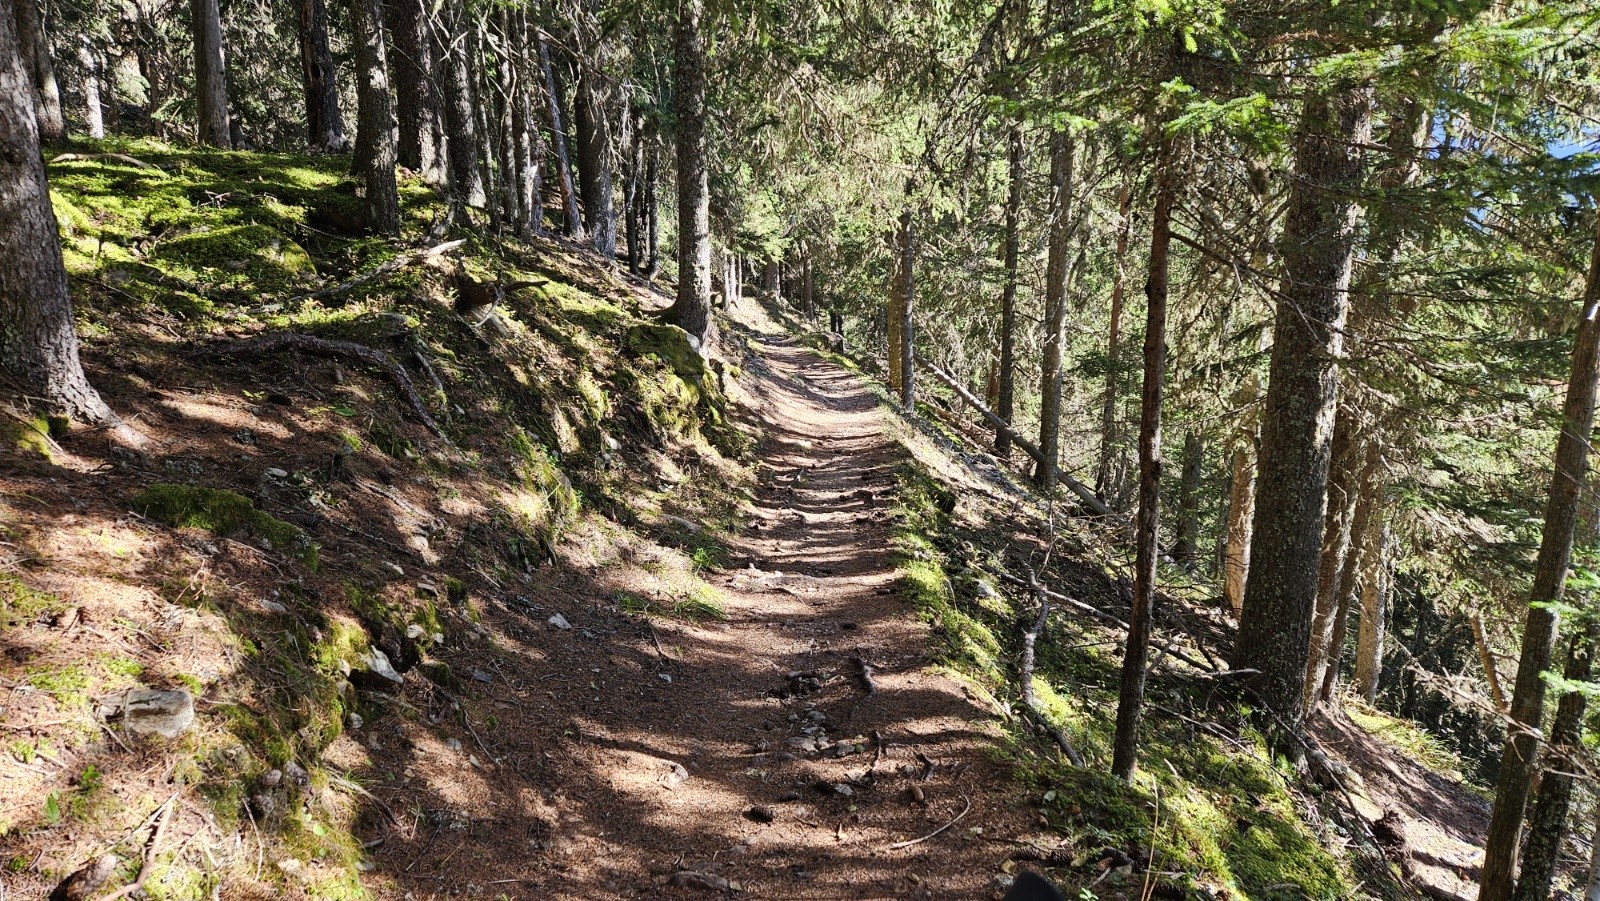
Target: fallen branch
{"points": [[1111, 619], [1028, 447], [866, 676], [117, 157], [1029, 701], [917, 841], [383, 269], [277, 341], [149, 854]]}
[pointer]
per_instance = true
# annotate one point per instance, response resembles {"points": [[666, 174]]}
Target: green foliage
{"points": [[224, 513]]}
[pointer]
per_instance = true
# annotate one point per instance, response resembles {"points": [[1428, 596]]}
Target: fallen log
{"points": [[1028, 447], [381, 270]]}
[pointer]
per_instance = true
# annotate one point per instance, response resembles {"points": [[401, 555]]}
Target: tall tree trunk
{"points": [[528, 145], [374, 159], [1055, 310], [210, 77], [416, 94], [652, 209], [38, 347], [1344, 491], [902, 339], [451, 51], [1591, 891], [691, 311], [1549, 582], [1186, 546], [1367, 536], [1130, 699], [1375, 591], [633, 191], [93, 74], [594, 156], [1548, 824], [324, 124], [808, 300], [34, 44], [1241, 507], [770, 277], [505, 104], [1006, 376], [1302, 395], [485, 113], [572, 218], [1108, 404]]}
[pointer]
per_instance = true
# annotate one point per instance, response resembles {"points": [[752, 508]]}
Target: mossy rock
{"points": [[240, 255], [224, 513], [670, 345]]}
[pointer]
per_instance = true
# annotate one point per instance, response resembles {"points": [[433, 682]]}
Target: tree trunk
{"points": [[450, 50], [1366, 529], [1055, 309], [1186, 546], [1591, 890], [34, 45], [652, 209], [902, 340], [1108, 405], [1302, 395], [1375, 588], [374, 159], [691, 311], [485, 112], [558, 137], [38, 347], [1006, 384], [1549, 581], [416, 94], [770, 275], [1345, 486], [1241, 511], [633, 193], [210, 77], [1548, 824], [324, 124], [529, 146], [594, 157], [93, 116], [1130, 700]]}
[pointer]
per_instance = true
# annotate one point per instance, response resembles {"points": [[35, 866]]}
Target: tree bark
{"points": [[450, 49], [1548, 824], [1108, 405], [902, 338], [1006, 376], [324, 124], [374, 159], [1136, 661], [38, 346], [1367, 529], [1055, 308], [1186, 543], [1302, 395], [1549, 581], [1241, 508], [93, 74], [33, 43], [594, 156], [691, 311], [210, 77], [652, 209], [421, 140], [528, 144], [1345, 485], [1376, 589], [572, 217], [633, 192]]}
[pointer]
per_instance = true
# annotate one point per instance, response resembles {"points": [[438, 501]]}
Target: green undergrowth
{"points": [[223, 513], [1223, 818]]}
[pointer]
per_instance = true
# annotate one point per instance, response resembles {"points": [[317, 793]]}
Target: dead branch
{"points": [[115, 157], [1113, 620], [917, 841], [278, 341], [866, 676], [1025, 677], [149, 854]]}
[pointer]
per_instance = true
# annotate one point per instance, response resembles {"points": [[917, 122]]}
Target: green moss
{"points": [[69, 685], [249, 256], [224, 513], [28, 438], [20, 604]]}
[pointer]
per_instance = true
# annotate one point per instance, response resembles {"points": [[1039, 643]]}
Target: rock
{"points": [[709, 881], [676, 775], [560, 622], [983, 589], [453, 744], [355, 721], [760, 814], [297, 775], [83, 883], [151, 712], [482, 675], [415, 631], [664, 677], [393, 570], [276, 473], [271, 778], [263, 805]]}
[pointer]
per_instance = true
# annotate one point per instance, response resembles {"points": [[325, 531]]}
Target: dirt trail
{"points": [[747, 749]]}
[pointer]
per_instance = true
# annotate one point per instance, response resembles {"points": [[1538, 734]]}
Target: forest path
{"points": [[775, 769]]}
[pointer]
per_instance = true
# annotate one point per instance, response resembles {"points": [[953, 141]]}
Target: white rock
{"points": [[560, 622], [380, 665]]}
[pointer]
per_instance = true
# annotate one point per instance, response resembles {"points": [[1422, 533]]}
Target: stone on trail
{"points": [[560, 622], [148, 711]]}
